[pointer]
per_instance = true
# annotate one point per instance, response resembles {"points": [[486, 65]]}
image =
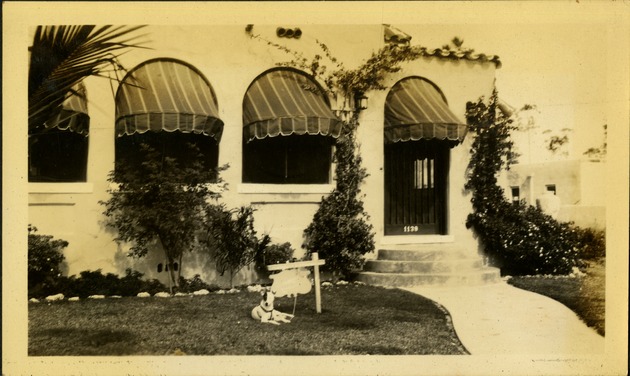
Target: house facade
{"points": [[275, 127]]}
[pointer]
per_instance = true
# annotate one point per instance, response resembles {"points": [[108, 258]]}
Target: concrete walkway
{"points": [[501, 319]]}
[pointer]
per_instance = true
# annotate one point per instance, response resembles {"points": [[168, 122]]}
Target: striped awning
{"points": [[169, 95], [73, 114], [285, 102], [415, 109]]}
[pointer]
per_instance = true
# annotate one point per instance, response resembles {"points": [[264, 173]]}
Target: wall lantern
{"points": [[360, 101]]}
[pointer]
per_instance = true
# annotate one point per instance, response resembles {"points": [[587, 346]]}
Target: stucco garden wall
{"points": [[582, 199]]}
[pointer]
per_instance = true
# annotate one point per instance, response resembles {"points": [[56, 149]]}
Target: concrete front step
{"points": [[485, 275], [427, 266], [428, 254]]}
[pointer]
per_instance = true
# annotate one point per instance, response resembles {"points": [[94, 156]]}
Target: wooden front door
{"points": [[415, 187]]}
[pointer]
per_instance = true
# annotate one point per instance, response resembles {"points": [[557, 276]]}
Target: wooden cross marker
{"points": [[315, 263]]}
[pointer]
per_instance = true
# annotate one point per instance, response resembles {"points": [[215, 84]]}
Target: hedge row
{"points": [[97, 283]]}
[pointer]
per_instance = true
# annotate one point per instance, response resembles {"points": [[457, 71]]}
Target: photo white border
{"points": [[18, 17]]}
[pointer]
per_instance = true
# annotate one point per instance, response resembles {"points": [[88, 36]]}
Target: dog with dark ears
{"points": [[265, 313]]}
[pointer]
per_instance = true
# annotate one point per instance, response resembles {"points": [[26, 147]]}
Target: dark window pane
{"points": [[57, 156], [288, 160], [175, 145]]}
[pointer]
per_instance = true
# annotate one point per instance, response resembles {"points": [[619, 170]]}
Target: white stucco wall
{"points": [[231, 60], [582, 197]]}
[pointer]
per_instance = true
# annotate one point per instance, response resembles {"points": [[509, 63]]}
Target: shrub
{"points": [[96, 283], [273, 254], [232, 238], [523, 240], [340, 231], [195, 284], [132, 283], [592, 243], [44, 258], [152, 286]]}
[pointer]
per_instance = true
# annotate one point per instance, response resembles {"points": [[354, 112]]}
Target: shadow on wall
{"points": [[123, 262], [584, 216], [64, 268], [202, 264], [193, 263]]}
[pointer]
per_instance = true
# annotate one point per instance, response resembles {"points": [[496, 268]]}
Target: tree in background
{"points": [[157, 200], [232, 239], [600, 152], [556, 142]]}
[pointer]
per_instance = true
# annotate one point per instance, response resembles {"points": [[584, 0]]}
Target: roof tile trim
{"points": [[464, 55]]}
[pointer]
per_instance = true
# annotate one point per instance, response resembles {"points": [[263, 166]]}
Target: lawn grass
{"points": [[354, 320], [585, 295]]}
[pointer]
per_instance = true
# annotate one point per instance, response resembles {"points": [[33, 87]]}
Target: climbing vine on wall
{"points": [[340, 231]]}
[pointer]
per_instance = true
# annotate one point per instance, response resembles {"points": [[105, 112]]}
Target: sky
{"points": [[559, 68]]}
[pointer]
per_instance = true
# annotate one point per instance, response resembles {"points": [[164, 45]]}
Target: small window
{"points": [[551, 188], [516, 194], [423, 173], [57, 156], [294, 159], [159, 268], [58, 149]]}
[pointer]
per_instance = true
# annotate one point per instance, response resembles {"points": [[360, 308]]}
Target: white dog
{"points": [[265, 313]]}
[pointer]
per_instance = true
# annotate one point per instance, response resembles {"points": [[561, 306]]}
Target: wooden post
{"points": [[318, 294], [315, 263]]}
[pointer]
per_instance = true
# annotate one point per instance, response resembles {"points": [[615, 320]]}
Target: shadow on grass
{"points": [[88, 341]]}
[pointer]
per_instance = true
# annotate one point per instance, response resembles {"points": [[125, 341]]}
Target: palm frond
{"points": [[62, 56]]}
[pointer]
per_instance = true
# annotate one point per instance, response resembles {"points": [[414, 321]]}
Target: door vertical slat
{"points": [[431, 208], [409, 184], [386, 183], [415, 184], [403, 188]]}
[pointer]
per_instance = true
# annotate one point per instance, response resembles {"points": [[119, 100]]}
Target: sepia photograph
{"points": [[315, 188]]}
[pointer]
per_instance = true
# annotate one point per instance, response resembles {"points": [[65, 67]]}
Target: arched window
{"points": [[288, 130], [168, 105], [58, 151]]}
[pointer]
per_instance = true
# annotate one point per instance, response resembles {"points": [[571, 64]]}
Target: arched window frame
{"points": [[278, 148]]}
